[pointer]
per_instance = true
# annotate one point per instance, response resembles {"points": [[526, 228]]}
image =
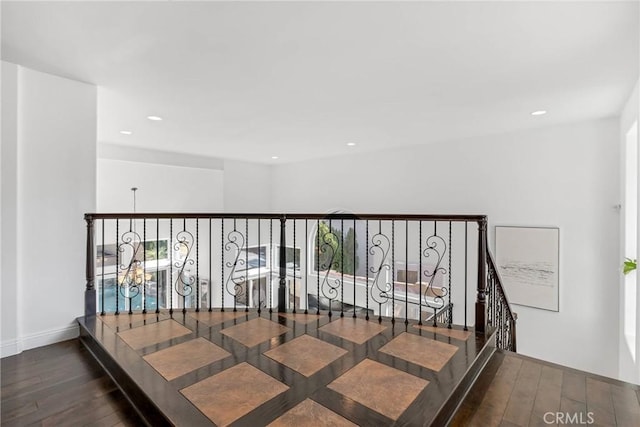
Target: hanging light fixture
{"points": [[134, 275]]}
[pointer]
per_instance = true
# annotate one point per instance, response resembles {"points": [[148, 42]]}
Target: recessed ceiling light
{"points": [[126, 132], [275, 157], [351, 144], [539, 113], [154, 118]]}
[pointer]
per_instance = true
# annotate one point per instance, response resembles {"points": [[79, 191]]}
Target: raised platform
{"points": [[245, 369]]}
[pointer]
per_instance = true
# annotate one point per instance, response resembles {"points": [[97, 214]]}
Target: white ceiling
{"points": [[250, 80]]}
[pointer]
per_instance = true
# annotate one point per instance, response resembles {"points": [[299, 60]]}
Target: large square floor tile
{"points": [[213, 318], [255, 331], [155, 333], [306, 354], [356, 330], [458, 334], [385, 390], [180, 359], [422, 351], [130, 320], [310, 413], [233, 393], [301, 317]]}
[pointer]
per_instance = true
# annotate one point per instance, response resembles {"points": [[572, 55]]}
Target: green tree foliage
{"points": [[150, 249], [348, 249], [331, 241], [630, 265]]}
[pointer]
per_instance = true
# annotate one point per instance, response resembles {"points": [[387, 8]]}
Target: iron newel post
{"points": [[282, 289], [90, 291], [481, 301]]}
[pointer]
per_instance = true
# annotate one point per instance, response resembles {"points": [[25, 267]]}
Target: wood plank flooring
{"points": [[60, 385], [516, 390]]}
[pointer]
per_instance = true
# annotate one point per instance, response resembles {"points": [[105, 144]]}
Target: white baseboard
{"points": [[39, 339], [9, 348]]}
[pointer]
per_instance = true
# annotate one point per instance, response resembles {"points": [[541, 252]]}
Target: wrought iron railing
{"points": [[441, 317], [406, 267], [499, 312]]}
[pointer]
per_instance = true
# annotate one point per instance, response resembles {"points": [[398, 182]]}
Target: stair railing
{"points": [[407, 267], [500, 315]]}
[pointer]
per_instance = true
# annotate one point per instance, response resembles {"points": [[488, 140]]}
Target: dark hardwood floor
{"points": [[253, 369], [61, 385], [515, 390]]}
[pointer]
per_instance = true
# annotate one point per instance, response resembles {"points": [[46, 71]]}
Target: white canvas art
{"points": [[527, 259]]}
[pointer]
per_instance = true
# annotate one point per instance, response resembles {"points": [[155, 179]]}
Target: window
{"points": [[630, 236], [334, 248], [155, 292], [252, 257]]}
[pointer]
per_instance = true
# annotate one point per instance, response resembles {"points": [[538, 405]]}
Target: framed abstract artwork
{"points": [[528, 260]]}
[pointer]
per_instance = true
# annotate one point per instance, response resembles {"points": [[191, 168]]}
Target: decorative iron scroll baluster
{"points": [[144, 266], [235, 243], [117, 267], [184, 280], [367, 269], [197, 282], [102, 312], [449, 290], [318, 263], [128, 276], [246, 258], [380, 288], [171, 265], [434, 251], [342, 268], [329, 286]]}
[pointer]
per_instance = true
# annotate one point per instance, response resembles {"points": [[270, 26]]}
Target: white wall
{"points": [[565, 176], [9, 164], [176, 182], [161, 188], [247, 187], [55, 186]]}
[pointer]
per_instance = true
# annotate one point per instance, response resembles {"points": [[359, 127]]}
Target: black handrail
{"points": [[310, 216]]}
